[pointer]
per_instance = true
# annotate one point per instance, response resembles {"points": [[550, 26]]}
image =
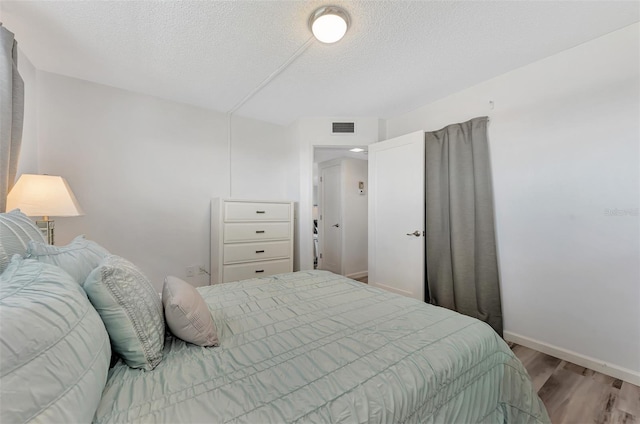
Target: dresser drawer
{"points": [[257, 231], [246, 211], [245, 252], [249, 236], [255, 269]]}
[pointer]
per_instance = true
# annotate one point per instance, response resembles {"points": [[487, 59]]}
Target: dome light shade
{"points": [[329, 24]]}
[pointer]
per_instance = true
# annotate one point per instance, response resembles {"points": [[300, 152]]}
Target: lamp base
{"points": [[46, 226]]}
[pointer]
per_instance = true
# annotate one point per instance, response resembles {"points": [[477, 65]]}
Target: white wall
{"points": [[564, 139], [28, 162], [144, 170], [262, 156], [307, 133]]}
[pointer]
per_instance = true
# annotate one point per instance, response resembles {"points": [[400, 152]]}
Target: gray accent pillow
{"points": [[130, 309], [187, 314], [16, 230], [78, 258]]}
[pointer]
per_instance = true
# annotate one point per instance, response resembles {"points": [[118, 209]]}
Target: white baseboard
{"points": [[615, 371], [355, 275]]}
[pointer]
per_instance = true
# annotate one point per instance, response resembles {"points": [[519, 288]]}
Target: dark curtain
{"points": [[462, 267]]}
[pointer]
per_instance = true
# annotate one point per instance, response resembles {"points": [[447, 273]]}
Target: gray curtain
{"points": [[11, 113], [462, 267]]}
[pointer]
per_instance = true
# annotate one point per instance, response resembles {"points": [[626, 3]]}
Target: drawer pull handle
{"points": [[258, 271], [259, 251], [260, 211], [259, 231]]}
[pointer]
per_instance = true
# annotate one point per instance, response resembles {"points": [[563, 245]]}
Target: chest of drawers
{"points": [[250, 239]]}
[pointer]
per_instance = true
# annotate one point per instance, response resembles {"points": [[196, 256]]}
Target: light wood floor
{"points": [[574, 394]]}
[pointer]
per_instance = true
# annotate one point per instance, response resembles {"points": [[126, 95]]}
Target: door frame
{"points": [[303, 257]]}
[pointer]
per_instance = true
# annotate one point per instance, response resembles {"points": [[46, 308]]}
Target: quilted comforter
{"points": [[318, 347]]}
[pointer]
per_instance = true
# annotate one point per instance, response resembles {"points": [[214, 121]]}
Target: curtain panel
{"points": [[461, 260], [11, 113]]}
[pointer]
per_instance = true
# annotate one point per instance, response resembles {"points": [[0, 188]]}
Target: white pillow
{"points": [[16, 230], [187, 314], [130, 309], [78, 258], [55, 350]]}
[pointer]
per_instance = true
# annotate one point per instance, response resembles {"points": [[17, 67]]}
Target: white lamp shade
{"points": [[43, 195]]}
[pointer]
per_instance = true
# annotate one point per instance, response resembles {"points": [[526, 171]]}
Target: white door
{"points": [[396, 215], [330, 223]]}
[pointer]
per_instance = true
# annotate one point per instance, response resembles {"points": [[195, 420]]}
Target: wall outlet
{"points": [[192, 270], [195, 270]]}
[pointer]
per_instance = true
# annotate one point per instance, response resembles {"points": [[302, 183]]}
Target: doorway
{"points": [[340, 216]]}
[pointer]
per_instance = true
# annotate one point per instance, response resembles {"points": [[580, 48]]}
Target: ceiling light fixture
{"points": [[329, 24], [356, 150]]}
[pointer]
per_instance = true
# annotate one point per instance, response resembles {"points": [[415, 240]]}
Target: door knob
{"points": [[415, 233], [336, 225]]}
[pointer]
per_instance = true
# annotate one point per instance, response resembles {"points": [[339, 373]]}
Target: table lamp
{"points": [[43, 195]]}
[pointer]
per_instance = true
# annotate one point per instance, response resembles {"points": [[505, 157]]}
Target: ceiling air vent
{"points": [[343, 128]]}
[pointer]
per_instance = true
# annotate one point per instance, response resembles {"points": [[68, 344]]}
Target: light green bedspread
{"points": [[317, 347]]}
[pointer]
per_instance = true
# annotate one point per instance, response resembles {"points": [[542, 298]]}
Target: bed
{"points": [[317, 347], [298, 347]]}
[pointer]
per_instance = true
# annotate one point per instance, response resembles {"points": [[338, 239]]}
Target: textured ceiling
{"points": [[396, 56]]}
